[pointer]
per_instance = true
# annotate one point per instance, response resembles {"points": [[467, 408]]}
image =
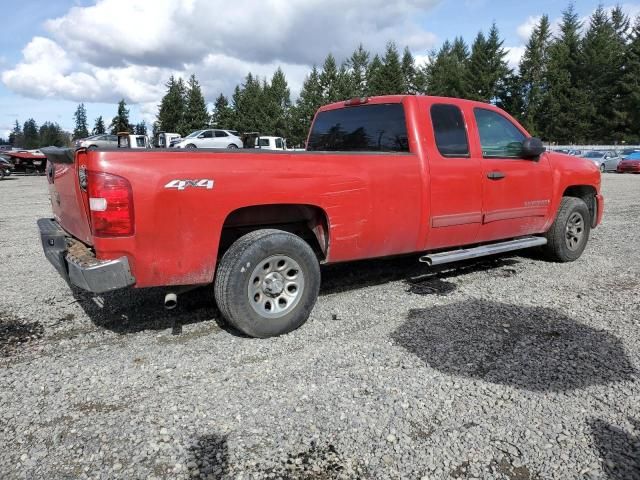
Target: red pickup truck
{"points": [[380, 176]]}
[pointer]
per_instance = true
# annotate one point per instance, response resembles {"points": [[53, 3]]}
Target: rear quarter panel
{"points": [[371, 202]]}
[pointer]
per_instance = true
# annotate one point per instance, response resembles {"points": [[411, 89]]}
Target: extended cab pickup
{"points": [[380, 177]]}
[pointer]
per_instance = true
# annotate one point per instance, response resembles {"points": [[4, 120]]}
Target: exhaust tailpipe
{"points": [[170, 301]]}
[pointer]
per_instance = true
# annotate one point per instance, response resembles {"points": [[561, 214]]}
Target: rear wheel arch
{"points": [[309, 222]]}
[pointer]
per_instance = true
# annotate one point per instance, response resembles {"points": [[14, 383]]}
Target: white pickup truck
{"points": [[271, 143]]}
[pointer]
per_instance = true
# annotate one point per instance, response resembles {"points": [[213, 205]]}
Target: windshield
{"points": [[593, 155], [195, 134], [634, 156]]}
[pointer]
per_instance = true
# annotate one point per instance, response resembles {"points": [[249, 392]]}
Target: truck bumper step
{"points": [[482, 251]]}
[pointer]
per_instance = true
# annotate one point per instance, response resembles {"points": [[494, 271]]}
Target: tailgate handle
{"points": [[495, 175]]}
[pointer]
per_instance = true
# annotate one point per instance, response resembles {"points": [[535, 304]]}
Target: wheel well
{"points": [[586, 193], [307, 221]]}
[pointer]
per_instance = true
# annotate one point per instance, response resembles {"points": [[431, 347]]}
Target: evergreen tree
{"points": [[329, 80], [600, 68], [630, 86], [16, 139], [376, 83], [172, 108], [488, 68], [31, 135], [278, 105], [140, 128], [99, 128], [309, 101], [196, 115], [120, 123], [534, 83], [565, 103], [249, 105], [357, 65], [222, 115], [50, 134], [447, 72], [409, 73], [80, 117], [345, 85], [392, 76]]}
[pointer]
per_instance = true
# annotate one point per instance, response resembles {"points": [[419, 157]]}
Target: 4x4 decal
{"points": [[183, 184]]}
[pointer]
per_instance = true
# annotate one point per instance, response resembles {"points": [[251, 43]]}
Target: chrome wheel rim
{"points": [[275, 286], [574, 231]]}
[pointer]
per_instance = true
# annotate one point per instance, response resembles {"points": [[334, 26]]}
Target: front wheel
{"points": [[191, 145], [602, 168], [267, 283], [568, 236]]}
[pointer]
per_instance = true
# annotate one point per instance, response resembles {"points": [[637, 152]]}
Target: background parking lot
{"points": [[508, 367]]}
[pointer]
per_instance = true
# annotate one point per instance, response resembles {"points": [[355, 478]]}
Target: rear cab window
{"points": [[363, 128], [450, 131]]}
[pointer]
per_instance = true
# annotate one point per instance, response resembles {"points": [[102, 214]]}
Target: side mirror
{"points": [[532, 147], [201, 135]]}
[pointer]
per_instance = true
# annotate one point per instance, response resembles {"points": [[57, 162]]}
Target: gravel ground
{"points": [[510, 368]]}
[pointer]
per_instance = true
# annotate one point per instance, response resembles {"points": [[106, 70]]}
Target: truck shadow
{"points": [[135, 310], [532, 348], [618, 449], [418, 276]]}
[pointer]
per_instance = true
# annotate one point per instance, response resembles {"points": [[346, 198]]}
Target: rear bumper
{"points": [[77, 264]]}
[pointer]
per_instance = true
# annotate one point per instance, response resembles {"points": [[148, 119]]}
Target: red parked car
{"points": [[380, 176], [630, 164]]}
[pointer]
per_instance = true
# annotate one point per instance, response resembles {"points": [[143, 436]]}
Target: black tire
{"points": [[92, 147], [237, 269], [232, 146], [191, 145], [563, 244], [1, 174], [603, 168]]}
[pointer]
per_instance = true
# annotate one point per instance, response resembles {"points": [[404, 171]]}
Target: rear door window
{"points": [[220, 133], [365, 128], [450, 131], [279, 143]]}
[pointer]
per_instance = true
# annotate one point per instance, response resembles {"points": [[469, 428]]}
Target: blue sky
{"points": [[55, 54]]}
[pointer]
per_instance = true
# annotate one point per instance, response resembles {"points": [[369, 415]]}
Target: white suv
{"points": [[211, 139]]}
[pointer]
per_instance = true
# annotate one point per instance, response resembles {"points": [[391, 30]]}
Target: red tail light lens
{"points": [[110, 204]]}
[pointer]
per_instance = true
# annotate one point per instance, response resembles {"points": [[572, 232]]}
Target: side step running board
{"points": [[482, 251]]}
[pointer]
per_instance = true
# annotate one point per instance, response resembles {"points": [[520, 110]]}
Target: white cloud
{"points": [[128, 48], [526, 29], [514, 55]]}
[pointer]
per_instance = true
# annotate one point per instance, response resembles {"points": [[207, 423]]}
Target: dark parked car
{"points": [[6, 167]]}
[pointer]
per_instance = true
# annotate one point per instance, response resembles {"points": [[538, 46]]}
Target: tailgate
{"points": [[67, 199]]}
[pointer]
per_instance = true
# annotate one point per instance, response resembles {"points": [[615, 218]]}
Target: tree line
{"points": [[576, 84]]}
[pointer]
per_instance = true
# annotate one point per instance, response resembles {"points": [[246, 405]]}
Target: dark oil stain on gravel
{"points": [[618, 449], [16, 333], [317, 462], [537, 349], [210, 456]]}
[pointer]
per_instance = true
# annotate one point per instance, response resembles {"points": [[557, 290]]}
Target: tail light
{"points": [[110, 204], [356, 101]]}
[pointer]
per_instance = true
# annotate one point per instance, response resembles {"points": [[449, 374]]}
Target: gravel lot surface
{"points": [[509, 368]]}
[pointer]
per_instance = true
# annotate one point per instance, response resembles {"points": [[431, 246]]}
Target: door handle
{"points": [[495, 175]]}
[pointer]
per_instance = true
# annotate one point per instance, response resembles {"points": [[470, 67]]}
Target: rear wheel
{"points": [[232, 146], [568, 236], [267, 283]]}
